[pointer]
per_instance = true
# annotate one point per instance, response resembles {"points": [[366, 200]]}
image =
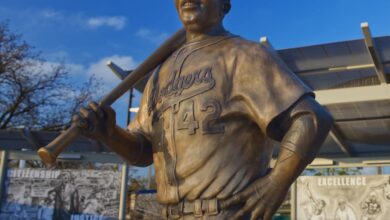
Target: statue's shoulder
{"points": [[242, 41], [246, 49], [242, 46]]}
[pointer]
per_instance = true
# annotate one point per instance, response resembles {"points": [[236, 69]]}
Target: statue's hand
{"points": [[96, 122], [262, 199]]}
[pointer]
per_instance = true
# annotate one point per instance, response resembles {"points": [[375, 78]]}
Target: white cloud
{"points": [[46, 67], [101, 70], [71, 68], [152, 36], [80, 19], [74, 68], [51, 14], [98, 68], [81, 72], [59, 55], [117, 22], [38, 18]]}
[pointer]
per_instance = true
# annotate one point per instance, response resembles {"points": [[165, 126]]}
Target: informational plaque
{"points": [[343, 197], [39, 194]]}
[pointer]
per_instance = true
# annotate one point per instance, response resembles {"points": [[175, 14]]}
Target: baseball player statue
{"points": [[206, 119]]}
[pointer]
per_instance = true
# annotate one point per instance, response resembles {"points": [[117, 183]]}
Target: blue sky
{"points": [[85, 34]]}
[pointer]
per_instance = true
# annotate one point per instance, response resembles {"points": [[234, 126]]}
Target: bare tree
{"points": [[33, 92]]}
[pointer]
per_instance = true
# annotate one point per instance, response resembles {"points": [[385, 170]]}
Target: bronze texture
{"points": [[206, 119]]}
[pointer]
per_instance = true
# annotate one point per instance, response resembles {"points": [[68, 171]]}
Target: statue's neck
{"points": [[193, 36]]}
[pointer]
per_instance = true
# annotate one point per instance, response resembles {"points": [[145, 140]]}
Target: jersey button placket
{"points": [[179, 59]]}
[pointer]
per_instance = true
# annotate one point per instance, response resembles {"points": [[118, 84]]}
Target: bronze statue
{"points": [[206, 118]]}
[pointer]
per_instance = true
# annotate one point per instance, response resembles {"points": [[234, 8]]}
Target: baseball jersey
{"points": [[206, 110]]}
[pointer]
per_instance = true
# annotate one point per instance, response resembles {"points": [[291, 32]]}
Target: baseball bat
{"points": [[50, 152]]}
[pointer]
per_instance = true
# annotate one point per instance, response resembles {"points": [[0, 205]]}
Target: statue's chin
{"points": [[188, 18]]}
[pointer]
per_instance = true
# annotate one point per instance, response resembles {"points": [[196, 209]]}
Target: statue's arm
{"points": [[307, 124], [132, 146], [303, 127]]}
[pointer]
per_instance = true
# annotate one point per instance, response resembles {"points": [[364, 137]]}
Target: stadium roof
{"points": [[351, 79]]}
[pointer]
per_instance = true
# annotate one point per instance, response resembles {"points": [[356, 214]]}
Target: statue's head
{"points": [[198, 15]]}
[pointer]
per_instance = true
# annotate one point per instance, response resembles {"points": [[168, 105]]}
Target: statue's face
{"points": [[198, 15]]}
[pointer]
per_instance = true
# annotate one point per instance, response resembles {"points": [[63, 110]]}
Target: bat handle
{"points": [[50, 152]]}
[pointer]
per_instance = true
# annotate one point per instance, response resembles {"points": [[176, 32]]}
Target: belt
{"points": [[198, 208]]}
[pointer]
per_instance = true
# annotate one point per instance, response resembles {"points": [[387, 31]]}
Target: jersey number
{"points": [[209, 124], [187, 119]]}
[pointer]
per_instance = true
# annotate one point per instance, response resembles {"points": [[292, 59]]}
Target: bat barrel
{"points": [[50, 152]]}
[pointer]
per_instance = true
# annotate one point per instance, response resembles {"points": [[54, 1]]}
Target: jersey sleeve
{"points": [[141, 124], [264, 85]]}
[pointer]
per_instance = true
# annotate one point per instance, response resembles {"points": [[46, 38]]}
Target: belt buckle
{"points": [[212, 208]]}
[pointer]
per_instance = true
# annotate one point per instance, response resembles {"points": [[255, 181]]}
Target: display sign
{"points": [[343, 197], [61, 195]]}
